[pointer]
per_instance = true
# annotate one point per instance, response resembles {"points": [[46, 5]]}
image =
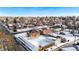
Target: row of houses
{"points": [[43, 33]]}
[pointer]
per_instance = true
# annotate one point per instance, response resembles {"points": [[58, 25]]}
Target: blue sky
{"points": [[39, 11]]}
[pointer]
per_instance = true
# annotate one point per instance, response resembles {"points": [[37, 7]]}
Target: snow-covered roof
{"points": [[10, 24], [41, 40], [69, 49]]}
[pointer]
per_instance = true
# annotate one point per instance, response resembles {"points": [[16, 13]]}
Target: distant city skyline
{"points": [[39, 11]]}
